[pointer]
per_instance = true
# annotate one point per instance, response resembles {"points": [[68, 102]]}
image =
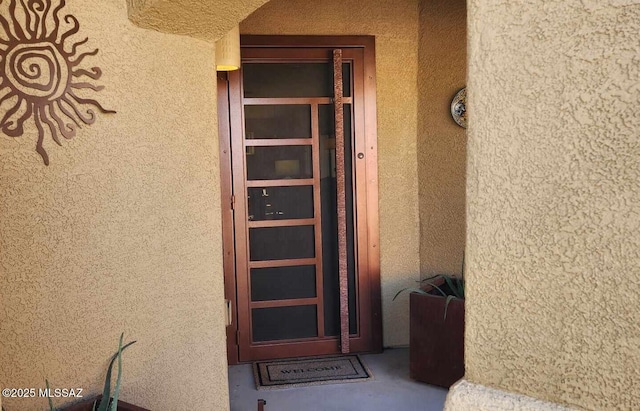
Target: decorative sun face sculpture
{"points": [[41, 72]]}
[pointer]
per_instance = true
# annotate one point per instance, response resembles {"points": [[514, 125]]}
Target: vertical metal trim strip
{"points": [[341, 200]]}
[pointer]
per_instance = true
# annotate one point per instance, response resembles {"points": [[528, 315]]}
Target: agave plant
{"points": [[108, 402], [454, 284]]}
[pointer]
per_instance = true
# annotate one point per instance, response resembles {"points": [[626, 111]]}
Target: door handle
{"points": [[229, 310]]}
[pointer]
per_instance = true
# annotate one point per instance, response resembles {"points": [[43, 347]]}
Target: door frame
{"points": [[371, 244]]}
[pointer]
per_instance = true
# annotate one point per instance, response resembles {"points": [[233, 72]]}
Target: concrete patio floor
{"points": [[391, 389]]}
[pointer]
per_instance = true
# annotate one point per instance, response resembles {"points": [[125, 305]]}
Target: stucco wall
{"points": [[121, 232], [464, 395], [204, 19], [442, 143], [395, 25], [554, 216]]}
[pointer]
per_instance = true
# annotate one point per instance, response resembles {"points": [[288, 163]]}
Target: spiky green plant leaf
{"points": [[106, 392], [432, 278], [460, 285], [51, 407], [452, 283], [446, 305], [411, 290], [116, 390], [436, 288]]}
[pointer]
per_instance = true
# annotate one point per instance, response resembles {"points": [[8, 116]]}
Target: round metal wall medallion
{"points": [[459, 108]]}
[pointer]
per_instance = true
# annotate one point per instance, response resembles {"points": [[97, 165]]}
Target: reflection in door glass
{"points": [[283, 283], [281, 121], [280, 203], [292, 79], [283, 323], [279, 162], [281, 243]]}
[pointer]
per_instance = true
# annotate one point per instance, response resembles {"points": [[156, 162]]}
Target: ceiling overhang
{"points": [[203, 19]]}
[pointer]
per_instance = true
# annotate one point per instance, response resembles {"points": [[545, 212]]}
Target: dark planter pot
{"points": [[436, 346], [88, 406]]}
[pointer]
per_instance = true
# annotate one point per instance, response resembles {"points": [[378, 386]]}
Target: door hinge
{"points": [[229, 312], [233, 202], [238, 337]]}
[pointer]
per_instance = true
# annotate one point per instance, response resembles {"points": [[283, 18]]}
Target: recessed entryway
{"points": [[300, 171]]}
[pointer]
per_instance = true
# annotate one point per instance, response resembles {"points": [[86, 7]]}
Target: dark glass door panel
{"points": [[346, 79], [278, 80], [283, 283], [279, 162], [284, 323], [280, 203], [281, 243], [328, 195], [277, 121]]}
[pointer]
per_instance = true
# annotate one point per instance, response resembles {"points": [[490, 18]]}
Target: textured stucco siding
{"points": [[554, 201], [395, 25], [132, 203], [121, 232], [441, 142]]}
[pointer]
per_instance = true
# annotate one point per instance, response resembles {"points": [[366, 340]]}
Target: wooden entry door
{"points": [[302, 175]]}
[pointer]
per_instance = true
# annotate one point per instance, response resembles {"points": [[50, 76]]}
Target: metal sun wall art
{"points": [[459, 108], [41, 75]]}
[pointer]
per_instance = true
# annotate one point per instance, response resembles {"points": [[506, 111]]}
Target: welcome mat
{"points": [[309, 371]]}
